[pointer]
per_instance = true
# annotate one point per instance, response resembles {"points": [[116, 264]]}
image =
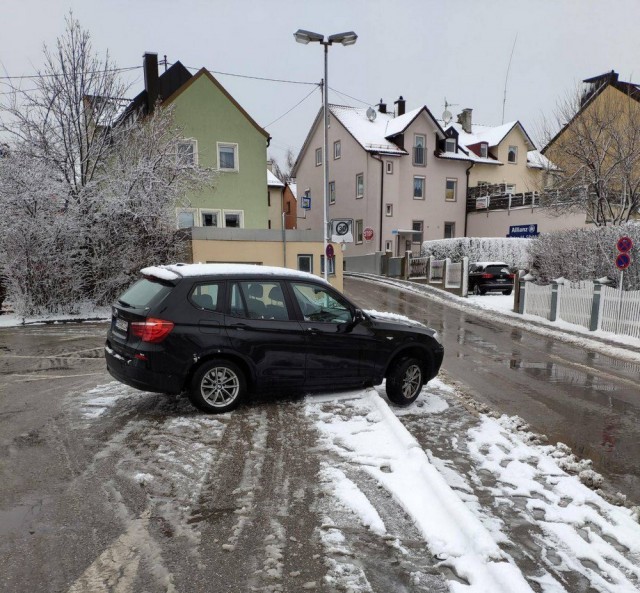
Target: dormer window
{"points": [[512, 155], [450, 145], [484, 150]]}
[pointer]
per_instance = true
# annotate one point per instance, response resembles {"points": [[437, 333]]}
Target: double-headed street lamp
{"points": [[348, 38]]}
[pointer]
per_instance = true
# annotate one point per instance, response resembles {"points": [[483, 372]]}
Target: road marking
{"points": [[53, 377]]}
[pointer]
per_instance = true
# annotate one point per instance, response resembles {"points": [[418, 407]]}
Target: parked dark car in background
{"points": [[490, 277], [222, 331]]}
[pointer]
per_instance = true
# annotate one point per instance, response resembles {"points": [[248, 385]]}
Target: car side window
{"points": [[258, 300], [321, 305], [206, 296]]}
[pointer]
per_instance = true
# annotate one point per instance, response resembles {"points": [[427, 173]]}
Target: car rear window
{"points": [[497, 270], [144, 293]]}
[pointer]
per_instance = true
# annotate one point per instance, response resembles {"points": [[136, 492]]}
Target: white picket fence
{"points": [[617, 312], [453, 275], [537, 300], [575, 301], [620, 313], [436, 271]]}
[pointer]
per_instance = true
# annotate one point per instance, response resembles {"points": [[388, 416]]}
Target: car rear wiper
{"points": [[124, 304]]}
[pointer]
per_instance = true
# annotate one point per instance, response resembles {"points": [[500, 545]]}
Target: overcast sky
{"points": [[425, 50]]}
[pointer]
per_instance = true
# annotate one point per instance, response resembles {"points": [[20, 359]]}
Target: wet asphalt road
{"points": [[586, 400]]}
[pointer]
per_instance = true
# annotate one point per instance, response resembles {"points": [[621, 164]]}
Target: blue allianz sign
{"points": [[523, 230]]}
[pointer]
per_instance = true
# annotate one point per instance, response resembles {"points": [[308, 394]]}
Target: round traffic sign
{"points": [[342, 228], [623, 261], [330, 252], [624, 244], [367, 234]]}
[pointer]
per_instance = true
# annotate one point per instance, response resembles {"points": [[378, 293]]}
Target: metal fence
{"points": [[453, 275], [436, 270]]}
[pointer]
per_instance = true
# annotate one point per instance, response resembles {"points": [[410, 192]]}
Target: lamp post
{"points": [[348, 38]]}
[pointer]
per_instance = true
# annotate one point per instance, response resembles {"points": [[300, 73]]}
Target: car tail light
{"points": [[512, 276], [486, 276], [152, 330]]}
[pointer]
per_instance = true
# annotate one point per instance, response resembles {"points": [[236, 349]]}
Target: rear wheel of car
{"points": [[404, 381], [218, 386], [506, 292]]}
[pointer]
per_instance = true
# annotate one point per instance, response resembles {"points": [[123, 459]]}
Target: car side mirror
{"points": [[359, 316]]}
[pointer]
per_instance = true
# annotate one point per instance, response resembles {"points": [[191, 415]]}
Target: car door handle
{"points": [[310, 330], [242, 326]]}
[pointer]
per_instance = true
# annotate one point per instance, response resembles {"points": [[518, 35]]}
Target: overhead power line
{"points": [[296, 105], [36, 76], [255, 77]]}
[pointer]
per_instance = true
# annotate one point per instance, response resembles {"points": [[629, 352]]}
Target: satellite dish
{"points": [[447, 116], [371, 114]]}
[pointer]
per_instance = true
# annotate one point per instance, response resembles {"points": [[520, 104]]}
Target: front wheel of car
{"points": [[404, 381], [218, 386], [506, 292]]}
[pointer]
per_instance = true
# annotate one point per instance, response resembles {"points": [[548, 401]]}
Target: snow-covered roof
{"points": [[294, 189], [492, 135], [371, 135], [177, 271], [273, 181], [536, 160], [399, 124]]}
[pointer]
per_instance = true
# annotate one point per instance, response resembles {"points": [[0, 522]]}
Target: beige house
{"points": [[394, 175], [505, 178], [298, 250]]}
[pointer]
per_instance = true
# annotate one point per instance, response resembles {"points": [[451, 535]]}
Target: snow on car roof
{"points": [[176, 271], [489, 263]]}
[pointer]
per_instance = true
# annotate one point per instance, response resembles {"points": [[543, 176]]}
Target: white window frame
{"points": [[332, 192], [236, 156], [332, 265], [361, 194], [455, 189], [484, 150], [359, 231], [388, 246], [224, 218], [515, 155], [424, 187], [193, 142], [389, 167], [337, 150], [424, 150], [318, 157], [388, 209], [193, 211], [308, 256], [450, 145], [202, 211]]}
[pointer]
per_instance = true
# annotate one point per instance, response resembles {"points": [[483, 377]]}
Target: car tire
{"points": [[483, 291], [218, 386], [476, 290], [405, 379], [506, 292]]}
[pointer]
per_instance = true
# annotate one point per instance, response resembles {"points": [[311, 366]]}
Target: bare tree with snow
{"points": [[597, 155], [117, 183]]}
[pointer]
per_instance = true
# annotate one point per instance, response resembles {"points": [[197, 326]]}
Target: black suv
{"points": [[220, 331], [490, 276]]}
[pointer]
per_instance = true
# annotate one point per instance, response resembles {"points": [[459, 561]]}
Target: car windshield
{"points": [[144, 293]]}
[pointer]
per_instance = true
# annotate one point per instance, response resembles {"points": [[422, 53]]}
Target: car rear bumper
{"points": [[133, 372]]}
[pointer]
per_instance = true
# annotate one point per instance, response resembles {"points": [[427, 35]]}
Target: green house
{"points": [[219, 134]]}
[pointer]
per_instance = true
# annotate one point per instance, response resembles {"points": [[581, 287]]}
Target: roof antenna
{"points": [[504, 100]]}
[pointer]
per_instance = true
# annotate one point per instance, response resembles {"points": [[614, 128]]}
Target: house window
{"points": [[450, 145], [387, 246], [234, 219], [512, 155], [186, 217], [332, 266], [419, 150], [305, 263], [360, 185], [227, 156], [332, 192], [359, 231], [337, 149], [418, 188], [288, 207], [418, 227], [388, 209], [390, 167], [451, 192], [209, 217], [484, 150], [188, 152], [449, 230], [318, 157]]}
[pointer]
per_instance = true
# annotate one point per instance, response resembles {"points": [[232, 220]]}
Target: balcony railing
{"points": [[496, 197]]}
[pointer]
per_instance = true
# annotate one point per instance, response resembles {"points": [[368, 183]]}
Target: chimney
{"points": [[401, 104], [382, 107], [464, 119], [151, 84]]}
